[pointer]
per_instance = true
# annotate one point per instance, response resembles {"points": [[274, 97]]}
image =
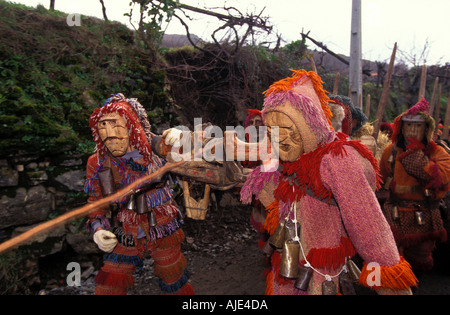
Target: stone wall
{"points": [[35, 189]]}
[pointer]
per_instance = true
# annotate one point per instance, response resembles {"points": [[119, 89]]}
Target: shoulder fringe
{"points": [[396, 277]]}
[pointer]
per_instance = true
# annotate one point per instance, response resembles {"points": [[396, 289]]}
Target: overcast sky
{"points": [[411, 23]]}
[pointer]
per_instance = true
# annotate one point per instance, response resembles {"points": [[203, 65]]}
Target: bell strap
{"points": [[330, 201]]}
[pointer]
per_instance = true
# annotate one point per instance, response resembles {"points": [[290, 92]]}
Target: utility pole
{"points": [[355, 76]]}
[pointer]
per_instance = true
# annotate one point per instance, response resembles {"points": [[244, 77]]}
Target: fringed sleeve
{"points": [[439, 169], [396, 277]]}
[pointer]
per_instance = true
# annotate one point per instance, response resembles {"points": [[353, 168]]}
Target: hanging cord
{"points": [[296, 238]]}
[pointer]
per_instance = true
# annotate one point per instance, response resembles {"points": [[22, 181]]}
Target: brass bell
{"points": [[106, 180], [290, 231], [303, 278], [329, 288], [353, 271], [345, 284], [131, 203], [268, 249], [419, 217], [141, 204], [277, 238], [395, 214], [151, 216], [108, 187], [289, 259]]}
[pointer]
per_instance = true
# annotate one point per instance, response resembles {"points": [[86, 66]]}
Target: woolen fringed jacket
{"points": [[346, 172]]}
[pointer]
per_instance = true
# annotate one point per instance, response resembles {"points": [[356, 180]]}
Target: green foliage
{"points": [[52, 76], [152, 14]]}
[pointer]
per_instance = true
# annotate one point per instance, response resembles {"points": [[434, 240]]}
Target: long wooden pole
{"points": [[336, 83], [438, 105], [355, 70], [447, 120], [423, 82], [83, 211], [384, 94], [368, 106], [433, 96]]}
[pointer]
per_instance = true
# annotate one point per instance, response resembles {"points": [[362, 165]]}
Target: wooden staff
{"points": [[438, 105], [384, 94], [313, 63], [447, 120], [423, 82], [368, 106], [336, 84], [85, 210], [433, 96]]}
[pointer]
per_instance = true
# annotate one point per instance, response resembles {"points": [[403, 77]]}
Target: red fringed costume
{"points": [[329, 191], [417, 175], [135, 237]]}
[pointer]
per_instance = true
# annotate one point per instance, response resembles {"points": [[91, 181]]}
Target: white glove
{"points": [[172, 135], [105, 240]]}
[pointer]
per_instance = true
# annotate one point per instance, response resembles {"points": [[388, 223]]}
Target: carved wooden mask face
{"points": [[113, 131], [290, 144], [255, 121], [414, 130]]}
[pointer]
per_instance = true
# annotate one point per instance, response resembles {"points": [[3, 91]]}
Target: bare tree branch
{"points": [[104, 10], [321, 45]]}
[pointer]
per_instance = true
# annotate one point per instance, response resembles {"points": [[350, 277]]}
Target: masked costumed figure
{"points": [[416, 171], [146, 222], [321, 204], [352, 121]]}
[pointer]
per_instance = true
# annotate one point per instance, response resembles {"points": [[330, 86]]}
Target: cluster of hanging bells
{"points": [[285, 238], [138, 204], [137, 201], [418, 213]]}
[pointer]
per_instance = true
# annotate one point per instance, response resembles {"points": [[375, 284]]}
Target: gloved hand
{"points": [[415, 163], [105, 240], [172, 135]]}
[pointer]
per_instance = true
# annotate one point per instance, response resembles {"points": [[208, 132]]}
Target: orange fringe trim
{"points": [[271, 222], [288, 83], [397, 277]]}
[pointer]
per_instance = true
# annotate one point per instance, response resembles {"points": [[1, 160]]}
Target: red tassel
{"points": [[307, 170], [331, 258]]}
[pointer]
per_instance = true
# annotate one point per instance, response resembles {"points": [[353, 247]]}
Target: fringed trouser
{"points": [[116, 275]]}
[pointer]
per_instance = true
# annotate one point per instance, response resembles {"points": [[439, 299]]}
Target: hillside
{"points": [[53, 75]]}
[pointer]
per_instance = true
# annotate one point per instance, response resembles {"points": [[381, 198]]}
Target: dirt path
{"points": [[223, 256], [224, 259]]}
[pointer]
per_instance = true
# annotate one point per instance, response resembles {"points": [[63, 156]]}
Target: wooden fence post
{"points": [[384, 94], [447, 120]]}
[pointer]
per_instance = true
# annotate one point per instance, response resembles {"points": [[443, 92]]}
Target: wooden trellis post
{"points": [[384, 94], [447, 120]]}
